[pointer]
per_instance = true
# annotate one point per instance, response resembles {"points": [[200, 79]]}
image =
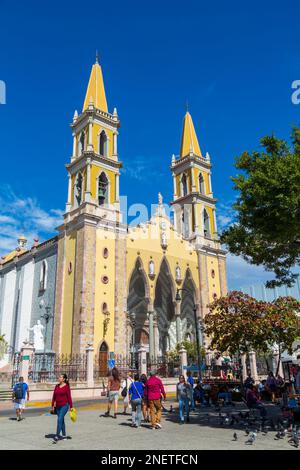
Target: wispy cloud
{"points": [[23, 215], [225, 214], [142, 168]]}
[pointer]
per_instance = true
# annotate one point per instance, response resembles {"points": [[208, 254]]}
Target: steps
{"points": [[5, 395]]}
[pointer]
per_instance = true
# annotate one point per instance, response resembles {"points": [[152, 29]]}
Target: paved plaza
{"points": [[98, 433]]}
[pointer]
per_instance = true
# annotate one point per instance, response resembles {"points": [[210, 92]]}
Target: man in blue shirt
{"points": [[191, 381], [20, 393], [136, 393]]}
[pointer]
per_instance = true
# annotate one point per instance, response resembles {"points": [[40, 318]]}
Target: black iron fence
{"points": [[48, 367], [164, 366]]}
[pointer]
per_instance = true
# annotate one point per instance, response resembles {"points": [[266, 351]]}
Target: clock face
{"points": [[163, 225]]}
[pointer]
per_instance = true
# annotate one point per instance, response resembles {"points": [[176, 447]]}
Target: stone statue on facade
{"points": [[38, 337]]}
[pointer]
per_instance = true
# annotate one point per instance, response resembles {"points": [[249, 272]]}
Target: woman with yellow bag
{"points": [[61, 401]]}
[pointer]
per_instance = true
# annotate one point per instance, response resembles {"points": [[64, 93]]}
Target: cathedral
{"points": [[102, 283]]}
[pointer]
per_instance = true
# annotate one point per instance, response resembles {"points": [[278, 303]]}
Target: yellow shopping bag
{"points": [[73, 415]]}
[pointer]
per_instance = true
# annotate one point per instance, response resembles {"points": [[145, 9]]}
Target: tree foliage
{"points": [[3, 345], [267, 227], [238, 324]]}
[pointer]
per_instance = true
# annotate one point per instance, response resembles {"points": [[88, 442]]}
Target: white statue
{"points": [[160, 199], [178, 273], [38, 337], [164, 239], [151, 268]]}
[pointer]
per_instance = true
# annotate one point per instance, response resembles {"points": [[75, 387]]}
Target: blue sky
{"points": [[233, 63]]}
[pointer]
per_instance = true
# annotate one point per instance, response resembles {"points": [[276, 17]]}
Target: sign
{"points": [[111, 363], [25, 358]]}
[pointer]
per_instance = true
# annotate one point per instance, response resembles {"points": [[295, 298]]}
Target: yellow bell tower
{"points": [[94, 167], [193, 201]]}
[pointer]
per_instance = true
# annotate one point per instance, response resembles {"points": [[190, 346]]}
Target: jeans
{"points": [[261, 408], [184, 407], [136, 407], [226, 396], [61, 413]]}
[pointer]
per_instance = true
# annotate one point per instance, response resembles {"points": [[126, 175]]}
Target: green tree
{"points": [[267, 227], [239, 324]]}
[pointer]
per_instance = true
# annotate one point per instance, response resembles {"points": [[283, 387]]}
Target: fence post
{"points": [[27, 352], [275, 361], [244, 367], [253, 367], [90, 365], [142, 360], [183, 361]]}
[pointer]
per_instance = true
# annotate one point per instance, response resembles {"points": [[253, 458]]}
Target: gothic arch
{"points": [[103, 143], [103, 188], [78, 189], [164, 306], [189, 300]]}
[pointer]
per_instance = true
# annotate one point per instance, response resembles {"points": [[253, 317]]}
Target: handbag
{"points": [[124, 391], [53, 412]]}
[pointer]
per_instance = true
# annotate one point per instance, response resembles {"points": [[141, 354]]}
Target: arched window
{"points": [[206, 223], [102, 189], [201, 184], [78, 189], [103, 144], [183, 185], [43, 276], [185, 223], [81, 143]]}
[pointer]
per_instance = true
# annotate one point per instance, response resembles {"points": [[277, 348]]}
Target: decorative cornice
{"points": [[188, 160], [94, 113], [81, 161], [189, 199]]}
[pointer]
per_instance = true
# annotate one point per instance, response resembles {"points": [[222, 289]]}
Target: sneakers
{"points": [[158, 426], [106, 414], [115, 416], [55, 440]]}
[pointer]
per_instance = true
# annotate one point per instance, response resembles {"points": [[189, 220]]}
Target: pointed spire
{"points": [[189, 141], [75, 117], [95, 89]]}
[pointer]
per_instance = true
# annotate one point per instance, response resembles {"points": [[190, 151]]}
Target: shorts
{"points": [[113, 395], [20, 404]]}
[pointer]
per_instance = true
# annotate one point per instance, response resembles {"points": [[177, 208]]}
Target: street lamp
{"points": [[178, 299], [47, 316], [133, 323]]}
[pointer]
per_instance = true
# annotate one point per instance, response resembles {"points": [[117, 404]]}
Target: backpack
{"points": [[19, 391]]}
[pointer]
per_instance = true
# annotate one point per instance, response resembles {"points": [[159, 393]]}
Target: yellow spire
{"points": [[95, 91], [189, 141]]}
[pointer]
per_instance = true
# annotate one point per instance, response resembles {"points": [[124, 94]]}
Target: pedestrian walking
{"points": [[191, 381], [113, 388], [20, 393], [183, 397], [154, 390], [61, 402], [145, 403], [136, 393], [125, 387]]}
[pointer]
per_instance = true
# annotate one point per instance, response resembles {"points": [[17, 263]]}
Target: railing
{"points": [[48, 367], [164, 367]]}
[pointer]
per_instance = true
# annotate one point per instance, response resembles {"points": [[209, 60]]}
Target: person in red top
{"points": [[154, 390], [61, 401]]}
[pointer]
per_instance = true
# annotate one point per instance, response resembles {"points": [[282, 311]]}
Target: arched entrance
{"points": [[187, 316], [137, 306], [164, 307], [103, 360]]}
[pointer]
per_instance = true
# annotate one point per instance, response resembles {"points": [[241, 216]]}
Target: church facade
{"points": [[115, 285]]}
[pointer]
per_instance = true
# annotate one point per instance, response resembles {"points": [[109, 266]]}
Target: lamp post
{"points": [[133, 323], [47, 316], [178, 299]]}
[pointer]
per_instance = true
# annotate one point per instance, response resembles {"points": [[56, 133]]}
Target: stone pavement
{"points": [[95, 433]]}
